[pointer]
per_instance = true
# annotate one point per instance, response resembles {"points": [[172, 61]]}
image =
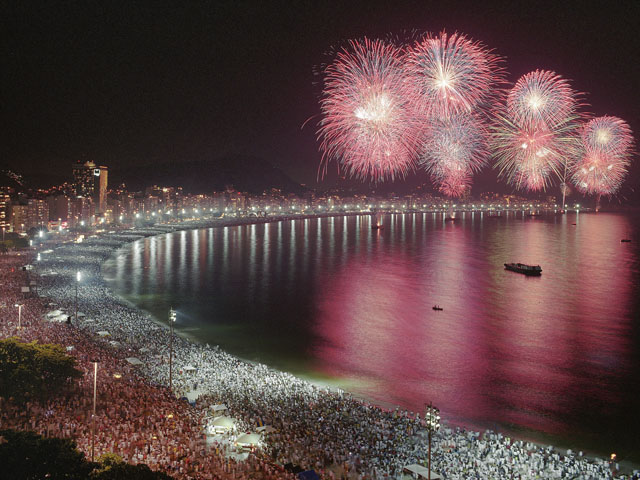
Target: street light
{"points": [[93, 417], [19, 305], [432, 422], [78, 278], [172, 319]]}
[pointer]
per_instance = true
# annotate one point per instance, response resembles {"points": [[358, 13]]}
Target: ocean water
{"points": [[554, 358]]}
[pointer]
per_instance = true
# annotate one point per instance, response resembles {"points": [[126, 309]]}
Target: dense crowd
{"points": [[314, 427]]}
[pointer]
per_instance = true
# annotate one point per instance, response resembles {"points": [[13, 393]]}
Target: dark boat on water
{"points": [[625, 240], [436, 307], [523, 268], [377, 226]]}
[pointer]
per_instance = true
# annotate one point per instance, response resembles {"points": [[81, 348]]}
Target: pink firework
{"points": [[541, 96], [607, 146], [529, 155], [535, 135], [607, 134], [451, 74], [454, 183], [366, 125], [454, 147]]}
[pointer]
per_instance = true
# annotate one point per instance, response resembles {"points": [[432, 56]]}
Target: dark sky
{"points": [[135, 83]]}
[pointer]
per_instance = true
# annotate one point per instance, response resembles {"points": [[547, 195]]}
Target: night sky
{"points": [[134, 83]]}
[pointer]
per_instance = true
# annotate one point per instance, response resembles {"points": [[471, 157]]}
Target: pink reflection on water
{"points": [[507, 348]]}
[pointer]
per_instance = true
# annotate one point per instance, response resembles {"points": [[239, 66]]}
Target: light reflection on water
{"points": [[556, 355]]}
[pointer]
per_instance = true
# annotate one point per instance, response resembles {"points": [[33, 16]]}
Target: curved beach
{"points": [[348, 434]]}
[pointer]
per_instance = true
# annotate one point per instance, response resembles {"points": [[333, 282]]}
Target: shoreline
{"points": [[540, 438], [141, 233]]}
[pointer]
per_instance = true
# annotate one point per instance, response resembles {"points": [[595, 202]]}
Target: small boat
{"points": [[450, 219], [377, 226], [523, 268], [436, 307], [533, 214], [625, 240]]}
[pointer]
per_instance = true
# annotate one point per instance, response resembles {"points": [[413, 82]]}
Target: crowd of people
{"points": [[311, 426]]}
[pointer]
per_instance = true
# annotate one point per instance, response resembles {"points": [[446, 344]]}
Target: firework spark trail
{"points": [[366, 124], [607, 147], [535, 134]]}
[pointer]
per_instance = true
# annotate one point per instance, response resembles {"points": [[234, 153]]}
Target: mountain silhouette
{"points": [[243, 172]]}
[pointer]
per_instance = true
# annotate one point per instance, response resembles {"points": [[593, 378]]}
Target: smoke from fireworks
{"points": [[535, 135], [366, 121], [607, 144]]}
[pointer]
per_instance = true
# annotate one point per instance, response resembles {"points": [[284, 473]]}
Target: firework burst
{"points": [[455, 147], [607, 134], [366, 125], [451, 74], [607, 146], [535, 135], [529, 155], [454, 183], [541, 96]]}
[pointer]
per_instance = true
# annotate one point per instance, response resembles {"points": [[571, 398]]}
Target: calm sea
{"points": [[554, 358]]}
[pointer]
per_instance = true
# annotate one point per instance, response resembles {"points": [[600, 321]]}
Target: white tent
{"points": [[189, 369], [103, 333], [223, 423], [134, 361], [219, 408], [421, 471], [248, 439]]}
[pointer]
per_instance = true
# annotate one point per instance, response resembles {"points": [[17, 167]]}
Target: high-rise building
{"points": [[58, 208], [19, 215], [91, 181], [38, 213], [5, 203], [83, 181], [80, 212], [102, 174], [33, 212]]}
